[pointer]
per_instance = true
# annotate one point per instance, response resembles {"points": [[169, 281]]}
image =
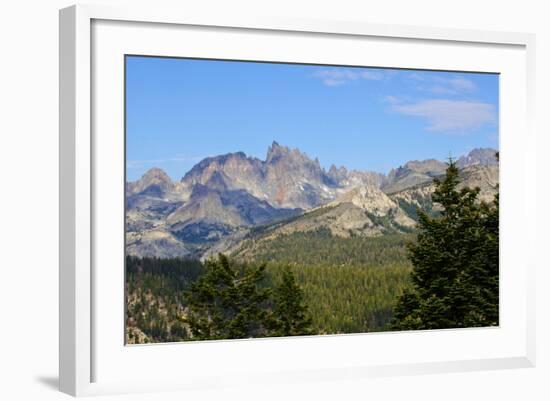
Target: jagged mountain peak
{"points": [[478, 156], [338, 174], [155, 174], [275, 151], [412, 173], [428, 166], [154, 182], [276, 146], [335, 170], [214, 162], [222, 197]]}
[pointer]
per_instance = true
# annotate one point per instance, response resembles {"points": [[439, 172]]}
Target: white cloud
{"points": [[462, 84], [372, 75], [452, 85], [417, 76], [390, 99], [445, 115], [337, 77]]}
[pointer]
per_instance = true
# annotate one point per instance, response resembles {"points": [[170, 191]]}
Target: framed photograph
{"points": [[272, 200]]}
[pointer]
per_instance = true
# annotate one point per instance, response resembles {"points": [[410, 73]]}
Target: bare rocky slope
{"points": [[225, 199]]}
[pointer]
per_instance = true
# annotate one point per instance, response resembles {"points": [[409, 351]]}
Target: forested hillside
{"points": [[365, 268], [349, 285], [320, 248], [155, 299]]}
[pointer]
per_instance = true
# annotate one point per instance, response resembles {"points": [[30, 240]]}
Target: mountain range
{"points": [[225, 201]]}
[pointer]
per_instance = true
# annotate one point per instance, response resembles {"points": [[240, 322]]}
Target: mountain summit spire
{"points": [[276, 150]]}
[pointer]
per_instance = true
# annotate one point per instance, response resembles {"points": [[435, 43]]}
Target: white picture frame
{"points": [[83, 159]]}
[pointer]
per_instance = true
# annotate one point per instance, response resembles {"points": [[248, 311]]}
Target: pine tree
{"points": [[228, 301], [290, 312], [455, 262]]}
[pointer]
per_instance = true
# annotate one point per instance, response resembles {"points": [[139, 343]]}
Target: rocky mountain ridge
{"points": [[287, 178], [222, 199]]}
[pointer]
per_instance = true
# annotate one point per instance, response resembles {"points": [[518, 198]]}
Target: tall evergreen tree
{"points": [[228, 301], [290, 312], [455, 262]]}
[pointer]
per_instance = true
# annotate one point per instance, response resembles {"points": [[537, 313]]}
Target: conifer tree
{"points": [[455, 262], [290, 312], [228, 301]]}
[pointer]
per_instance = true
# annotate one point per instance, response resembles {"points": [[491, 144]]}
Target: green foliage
{"points": [[412, 210], [350, 285], [290, 312], [320, 248], [455, 262], [315, 283], [154, 298], [348, 298], [228, 301]]}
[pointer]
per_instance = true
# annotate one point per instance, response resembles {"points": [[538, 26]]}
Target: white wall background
{"points": [[29, 197]]}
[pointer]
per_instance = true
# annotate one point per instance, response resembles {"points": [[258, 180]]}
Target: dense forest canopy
{"points": [[444, 274], [455, 276]]}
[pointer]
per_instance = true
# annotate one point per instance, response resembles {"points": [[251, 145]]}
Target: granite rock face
{"points": [[478, 157], [223, 198], [287, 178]]}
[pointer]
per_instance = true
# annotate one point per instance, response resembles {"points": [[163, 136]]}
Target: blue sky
{"points": [[179, 111]]}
